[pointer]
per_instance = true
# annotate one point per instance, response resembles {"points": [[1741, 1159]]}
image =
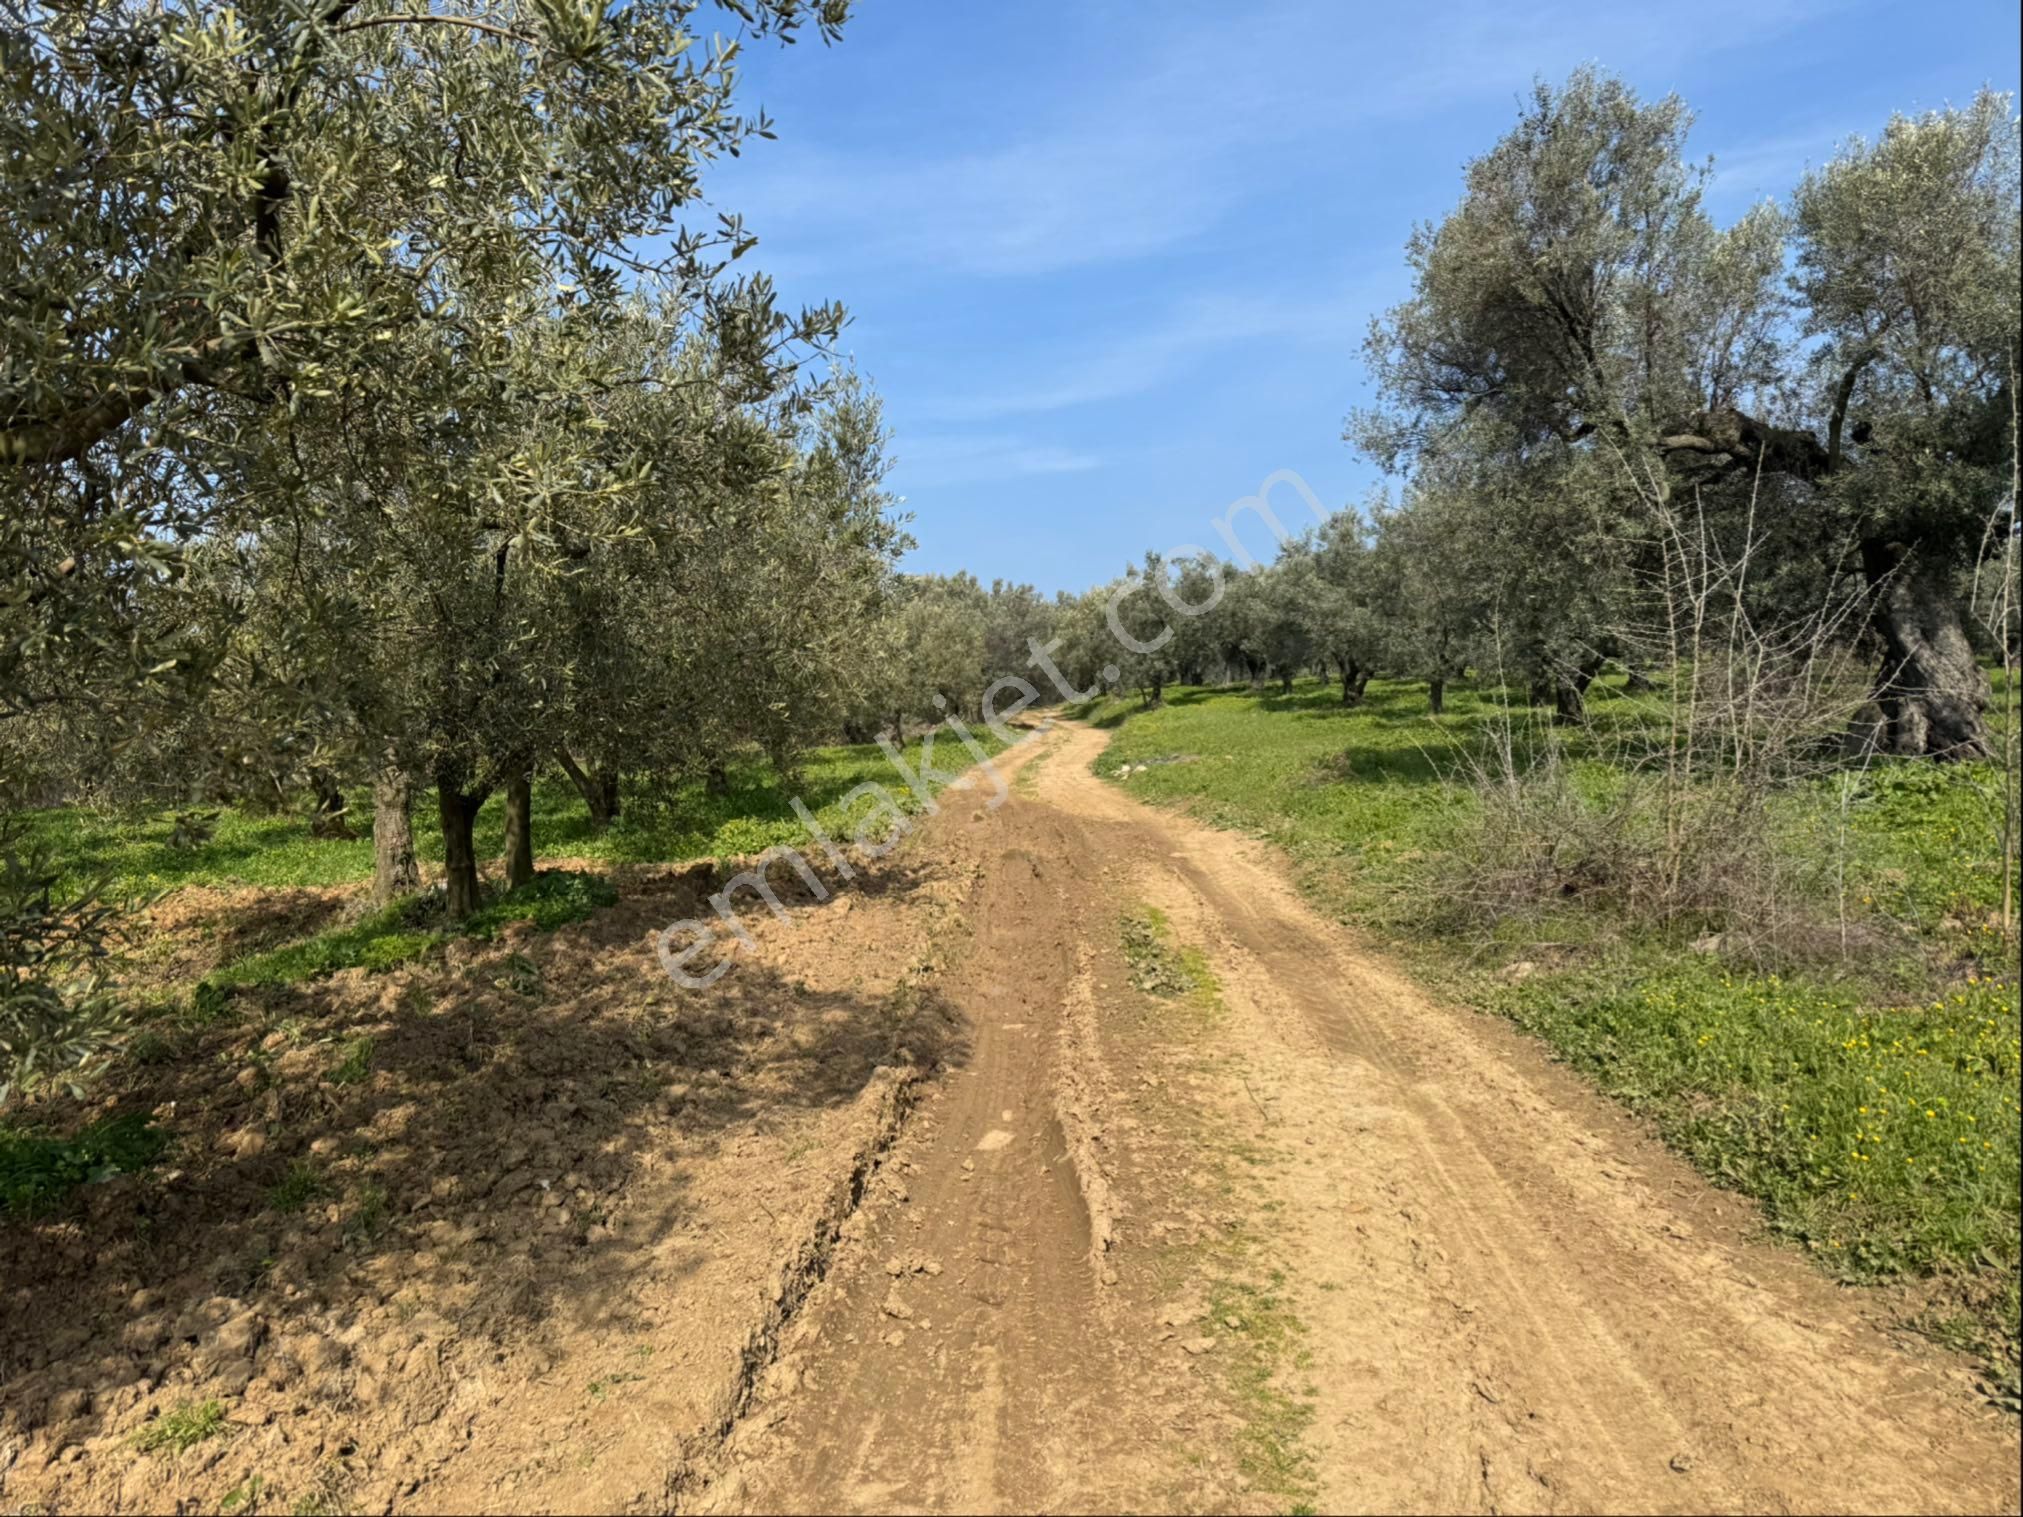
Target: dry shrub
{"points": [[1677, 809]]}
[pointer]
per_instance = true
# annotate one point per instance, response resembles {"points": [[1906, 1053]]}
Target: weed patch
{"points": [[1262, 1340], [37, 1172], [1161, 968], [553, 898], [296, 1189], [356, 1065], [368, 1214], [181, 1428]]}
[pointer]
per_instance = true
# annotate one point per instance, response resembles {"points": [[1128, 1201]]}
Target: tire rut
{"points": [[1513, 1298], [1620, 1356]]}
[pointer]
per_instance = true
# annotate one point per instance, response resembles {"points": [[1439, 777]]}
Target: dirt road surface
{"points": [[1307, 1240]]}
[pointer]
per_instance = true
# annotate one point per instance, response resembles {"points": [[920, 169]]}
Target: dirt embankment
{"points": [[511, 1232]]}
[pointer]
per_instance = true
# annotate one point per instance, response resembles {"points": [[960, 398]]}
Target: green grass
{"points": [[553, 898], [296, 1189], [379, 941], [1262, 1342], [368, 1214], [138, 853], [600, 1388], [36, 1171], [181, 1428], [391, 936], [1872, 1107], [356, 1066], [1885, 1139], [243, 1496], [1160, 967]]}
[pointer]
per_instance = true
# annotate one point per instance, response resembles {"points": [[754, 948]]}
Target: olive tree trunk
{"points": [[459, 810], [1933, 692], [394, 871], [1354, 682], [519, 853], [1570, 696], [598, 786], [328, 820]]}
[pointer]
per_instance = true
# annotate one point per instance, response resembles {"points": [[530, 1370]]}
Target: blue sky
{"points": [[1111, 263]]}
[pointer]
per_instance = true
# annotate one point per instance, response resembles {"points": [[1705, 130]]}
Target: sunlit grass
{"points": [[754, 813], [181, 1428]]}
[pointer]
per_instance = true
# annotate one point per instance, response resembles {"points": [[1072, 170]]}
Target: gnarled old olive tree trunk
{"points": [[1932, 690]]}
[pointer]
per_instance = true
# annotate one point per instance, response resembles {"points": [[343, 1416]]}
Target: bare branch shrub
{"points": [[1667, 805]]}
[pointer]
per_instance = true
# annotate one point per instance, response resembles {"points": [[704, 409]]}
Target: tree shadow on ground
{"points": [[1110, 720], [273, 917], [503, 1139], [1194, 695]]}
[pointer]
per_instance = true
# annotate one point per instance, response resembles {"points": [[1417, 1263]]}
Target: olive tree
{"points": [[1431, 569], [1908, 270], [1580, 312], [210, 214], [1352, 626]]}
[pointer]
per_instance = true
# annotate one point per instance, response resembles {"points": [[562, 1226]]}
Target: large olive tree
{"points": [[1580, 302], [1908, 271]]}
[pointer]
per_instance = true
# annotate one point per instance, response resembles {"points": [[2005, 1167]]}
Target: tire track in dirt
{"points": [[1513, 1298], [952, 1379], [1618, 1355]]}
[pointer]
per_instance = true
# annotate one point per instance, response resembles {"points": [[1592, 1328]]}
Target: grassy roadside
{"points": [[1871, 1106], [1246, 1323], [140, 854], [41, 1163]]}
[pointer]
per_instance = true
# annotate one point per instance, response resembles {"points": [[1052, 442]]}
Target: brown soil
{"points": [[1367, 1252], [584, 1241], [550, 1227], [192, 932]]}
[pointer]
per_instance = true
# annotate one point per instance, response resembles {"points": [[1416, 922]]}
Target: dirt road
{"points": [[1307, 1238]]}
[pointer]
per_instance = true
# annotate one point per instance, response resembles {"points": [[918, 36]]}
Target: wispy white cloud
{"points": [[1169, 347], [1135, 164], [1770, 167]]}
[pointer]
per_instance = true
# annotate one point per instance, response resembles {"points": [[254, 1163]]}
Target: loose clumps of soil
{"points": [[510, 1227]]}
